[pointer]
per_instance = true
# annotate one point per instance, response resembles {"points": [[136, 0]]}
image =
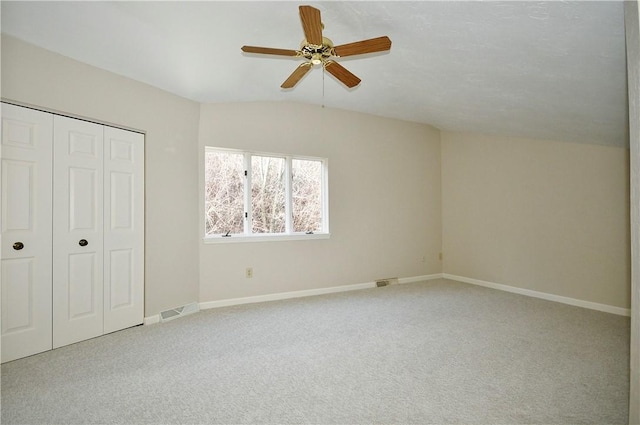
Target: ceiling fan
{"points": [[319, 50]]}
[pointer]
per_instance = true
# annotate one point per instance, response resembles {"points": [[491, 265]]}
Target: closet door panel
{"points": [[123, 229], [78, 231], [26, 231]]}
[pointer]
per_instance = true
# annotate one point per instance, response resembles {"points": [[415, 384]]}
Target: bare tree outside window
{"points": [[224, 193], [306, 194], [267, 194]]}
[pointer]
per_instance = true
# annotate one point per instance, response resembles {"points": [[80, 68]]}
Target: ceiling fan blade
{"points": [[311, 24], [296, 75], [379, 44], [342, 74], [269, 51]]}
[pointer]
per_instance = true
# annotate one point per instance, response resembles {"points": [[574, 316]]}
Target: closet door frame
{"points": [[82, 184]]}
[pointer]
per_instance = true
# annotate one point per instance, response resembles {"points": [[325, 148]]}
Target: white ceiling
{"points": [[549, 70]]}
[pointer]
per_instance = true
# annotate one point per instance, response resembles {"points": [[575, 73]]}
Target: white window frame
{"points": [[289, 234]]}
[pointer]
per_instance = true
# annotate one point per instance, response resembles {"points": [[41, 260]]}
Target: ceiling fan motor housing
{"points": [[315, 53]]}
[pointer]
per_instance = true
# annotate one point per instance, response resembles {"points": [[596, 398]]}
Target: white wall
{"points": [[34, 76], [384, 185], [632, 25], [546, 216]]}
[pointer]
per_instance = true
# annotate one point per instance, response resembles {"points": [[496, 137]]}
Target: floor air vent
{"points": [[387, 282], [179, 312]]}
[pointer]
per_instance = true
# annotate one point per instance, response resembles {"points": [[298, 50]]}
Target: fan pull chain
{"points": [[323, 72]]}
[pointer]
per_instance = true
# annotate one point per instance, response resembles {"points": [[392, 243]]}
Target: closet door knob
{"points": [[83, 242], [18, 246]]}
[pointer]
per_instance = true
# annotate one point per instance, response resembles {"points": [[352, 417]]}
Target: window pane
{"points": [[267, 194], [306, 191], [224, 193]]}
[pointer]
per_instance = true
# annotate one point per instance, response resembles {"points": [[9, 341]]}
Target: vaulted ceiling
{"points": [[547, 70]]}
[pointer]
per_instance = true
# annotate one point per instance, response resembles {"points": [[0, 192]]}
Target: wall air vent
{"points": [[174, 313], [386, 282]]}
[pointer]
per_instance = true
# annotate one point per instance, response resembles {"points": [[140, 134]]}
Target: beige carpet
{"points": [[432, 352]]}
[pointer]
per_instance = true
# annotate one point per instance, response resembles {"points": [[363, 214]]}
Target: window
{"points": [[254, 196], [306, 195]]}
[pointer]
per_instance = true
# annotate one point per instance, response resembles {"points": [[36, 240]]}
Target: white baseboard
{"points": [[420, 278], [320, 291], [283, 295], [543, 295], [152, 319], [307, 292]]}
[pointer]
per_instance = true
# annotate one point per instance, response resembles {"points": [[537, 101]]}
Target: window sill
{"points": [[264, 238]]}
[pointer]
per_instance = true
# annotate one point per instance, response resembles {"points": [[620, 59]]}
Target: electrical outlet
{"points": [[249, 273]]}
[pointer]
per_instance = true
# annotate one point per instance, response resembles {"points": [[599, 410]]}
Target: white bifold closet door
{"points": [[98, 246], [77, 231], [123, 229], [83, 276], [27, 244]]}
